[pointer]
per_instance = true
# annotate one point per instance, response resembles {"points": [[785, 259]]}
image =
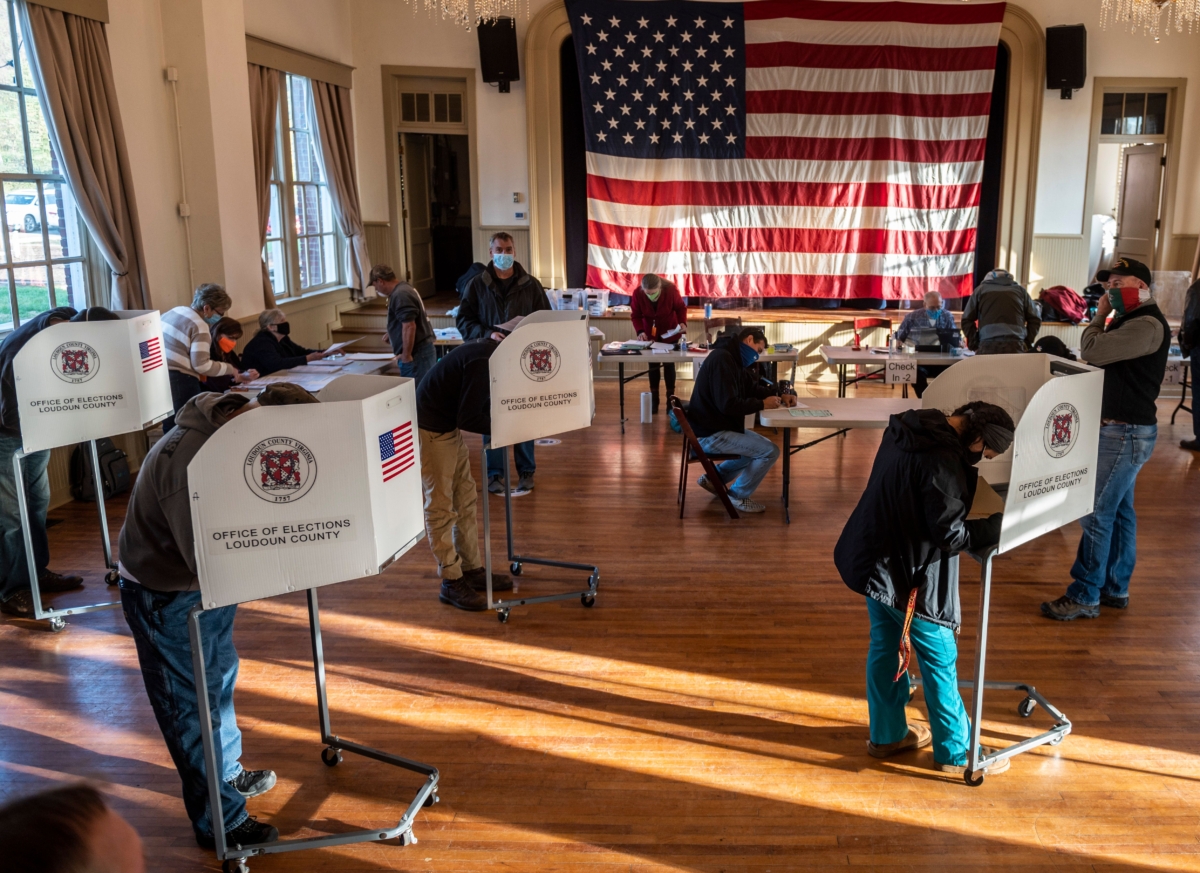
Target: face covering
{"points": [[1125, 299], [283, 328], [749, 355], [226, 344], [654, 295], [974, 458], [503, 261], [213, 319]]}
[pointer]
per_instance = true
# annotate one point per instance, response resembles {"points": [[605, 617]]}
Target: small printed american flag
{"points": [[396, 451], [151, 353]]}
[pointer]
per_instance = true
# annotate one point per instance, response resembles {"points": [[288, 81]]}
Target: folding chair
{"points": [[861, 326], [719, 324], [693, 453]]}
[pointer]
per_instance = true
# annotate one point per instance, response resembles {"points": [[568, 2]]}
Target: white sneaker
{"points": [[706, 485], [748, 505]]}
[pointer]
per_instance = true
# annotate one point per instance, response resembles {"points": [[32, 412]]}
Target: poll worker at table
{"points": [[456, 396], [187, 339], [657, 309], [1132, 350], [16, 595], [226, 334], [272, 349], [408, 327], [503, 291], [1000, 318], [1189, 344], [725, 392], [159, 587], [899, 549], [930, 327]]}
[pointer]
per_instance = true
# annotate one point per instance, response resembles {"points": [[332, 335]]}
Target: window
{"points": [[303, 245], [447, 107], [42, 240], [1134, 114]]}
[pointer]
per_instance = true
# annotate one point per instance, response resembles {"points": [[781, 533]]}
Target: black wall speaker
{"points": [[1066, 58], [498, 52]]}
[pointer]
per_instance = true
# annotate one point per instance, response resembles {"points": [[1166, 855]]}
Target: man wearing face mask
{"points": [[187, 341], [929, 328], [899, 549], [1132, 351], [500, 293], [272, 348], [724, 394]]}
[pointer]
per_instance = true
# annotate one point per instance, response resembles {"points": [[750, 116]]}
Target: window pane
{"points": [[12, 144], [274, 225], [8, 72], [23, 211], [70, 288], [298, 98], [1135, 107], [326, 210], [275, 268], [39, 137], [33, 291], [456, 108], [440, 112], [301, 157], [408, 106], [422, 107], [331, 258], [1110, 118], [62, 221], [312, 213], [6, 320], [310, 261], [26, 72], [1156, 114]]}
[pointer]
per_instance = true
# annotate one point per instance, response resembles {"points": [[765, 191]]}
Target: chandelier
{"points": [[468, 13], [1152, 17]]}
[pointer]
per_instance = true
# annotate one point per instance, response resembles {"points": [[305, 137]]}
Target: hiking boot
{"points": [[1066, 609], [748, 505], [496, 485], [251, 783], [1110, 602], [251, 832], [525, 482], [459, 593], [1191, 445], [52, 582], [918, 738], [990, 770], [20, 604], [477, 579], [706, 485]]}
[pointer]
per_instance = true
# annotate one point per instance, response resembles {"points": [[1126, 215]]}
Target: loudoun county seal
{"points": [[1061, 430], [280, 470], [540, 361], [75, 362]]}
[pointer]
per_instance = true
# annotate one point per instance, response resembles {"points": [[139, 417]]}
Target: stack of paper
{"points": [[369, 356]]}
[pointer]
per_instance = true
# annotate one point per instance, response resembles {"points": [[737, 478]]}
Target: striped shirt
{"points": [[188, 344]]}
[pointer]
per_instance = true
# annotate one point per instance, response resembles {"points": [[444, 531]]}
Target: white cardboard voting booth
{"points": [[291, 498], [79, 382], [541, 385], [1050, 474]]}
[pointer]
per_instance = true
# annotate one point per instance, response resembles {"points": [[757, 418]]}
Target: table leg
{"points": [[841, 380], [621, 380], [787, 472]]}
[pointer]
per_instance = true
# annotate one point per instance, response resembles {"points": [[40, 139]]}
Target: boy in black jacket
{"points": [[726, 392]]}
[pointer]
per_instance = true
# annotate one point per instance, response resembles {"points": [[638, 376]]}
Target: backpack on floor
{"points": [[114, 468]]}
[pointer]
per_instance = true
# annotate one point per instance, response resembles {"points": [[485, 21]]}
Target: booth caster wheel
{"points": [[515, 567], [1056, 740], [1026, 707], [112, 577], [972, 778], [331, 757], [57, 625], [502, 614], [235, 865], [588, 600], [431, 800]]}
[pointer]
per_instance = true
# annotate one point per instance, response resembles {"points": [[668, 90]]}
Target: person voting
{"points": [[159, 587]]}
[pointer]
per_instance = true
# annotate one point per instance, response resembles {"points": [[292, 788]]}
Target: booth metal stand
{"points": [[587, 597], [55, 616], [234, 857]]}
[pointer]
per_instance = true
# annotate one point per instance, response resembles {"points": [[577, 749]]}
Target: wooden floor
{"points": [[708, 714]]}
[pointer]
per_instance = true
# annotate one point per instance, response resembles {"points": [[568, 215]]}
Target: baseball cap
{"points": [[1126, 267], [284, 394]]}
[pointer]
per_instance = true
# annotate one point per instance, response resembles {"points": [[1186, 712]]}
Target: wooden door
{"points": [[414, 186], [1137, 215]]}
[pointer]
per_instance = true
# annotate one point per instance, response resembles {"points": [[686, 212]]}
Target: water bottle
{"points": [[707, 311]]}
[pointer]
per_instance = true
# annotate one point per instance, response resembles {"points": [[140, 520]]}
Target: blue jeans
{"points": [[523, 455], [744, 475], [14, 568], [937, 654], [1108, 548], [159, 621], [423, 360]]}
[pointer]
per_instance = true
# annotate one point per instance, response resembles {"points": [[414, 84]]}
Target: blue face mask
{"points": [[213, 319], [503, 261], [749, 355], [933, 313]]}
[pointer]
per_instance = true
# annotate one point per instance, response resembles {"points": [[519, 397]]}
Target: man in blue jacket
{"points": [[930, 326]]}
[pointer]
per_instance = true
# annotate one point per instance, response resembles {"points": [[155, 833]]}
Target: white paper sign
{"points": [[1174, 372], [81, 381], [542, 379], [901, 370], [288, 498]]}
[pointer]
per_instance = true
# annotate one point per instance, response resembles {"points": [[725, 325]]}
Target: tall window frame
{"points": [[304, 247], [43, 242]]}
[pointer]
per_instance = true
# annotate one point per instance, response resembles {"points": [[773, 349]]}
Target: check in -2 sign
{"points": [[901, 371]]}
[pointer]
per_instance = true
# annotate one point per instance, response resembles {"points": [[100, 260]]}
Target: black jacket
{"points": [[267, 354], [1189, 329], [725, 391], [10, 420], [483, 306], [457, 392], [912, 518]]}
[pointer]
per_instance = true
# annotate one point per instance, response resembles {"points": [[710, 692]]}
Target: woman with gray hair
{"points": [[187, 342], [273, 349]]}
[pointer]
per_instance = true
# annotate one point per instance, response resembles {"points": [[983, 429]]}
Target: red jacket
{"points": [[656, 319]]}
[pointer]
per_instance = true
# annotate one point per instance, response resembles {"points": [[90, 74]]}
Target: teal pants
{"points": [[937, 653]]}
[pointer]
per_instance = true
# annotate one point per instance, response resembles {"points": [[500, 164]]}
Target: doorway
{"points": [[435, 190]]}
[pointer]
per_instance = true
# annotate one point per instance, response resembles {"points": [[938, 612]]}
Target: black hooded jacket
{"points": [[489, 301], [912, 519], [10, 419], [725, 391]]}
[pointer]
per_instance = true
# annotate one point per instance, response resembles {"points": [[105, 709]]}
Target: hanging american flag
{"points": [[396, 451], [785, 148], [150, 352]]}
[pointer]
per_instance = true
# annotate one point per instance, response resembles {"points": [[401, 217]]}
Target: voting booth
{"points": [[541, 385], [293, 498], [78, 382], [1047, 478]]}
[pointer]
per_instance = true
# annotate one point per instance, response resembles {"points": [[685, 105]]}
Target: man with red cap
{"points": [[1132, 351]]}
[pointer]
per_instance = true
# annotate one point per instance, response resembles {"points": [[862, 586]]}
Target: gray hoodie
{"points": [[999, 309], [157, 546]]}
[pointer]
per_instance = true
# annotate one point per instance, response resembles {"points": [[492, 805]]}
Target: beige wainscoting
{"points": [[1183, 252], [382, 243], [133, 444], [1058, 259], [520, 237]]}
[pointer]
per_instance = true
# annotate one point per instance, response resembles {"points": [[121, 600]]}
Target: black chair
{"points": [[693, 454]]}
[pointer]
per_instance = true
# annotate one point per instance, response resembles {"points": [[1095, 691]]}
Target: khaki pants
{"points": [[449, 502]]}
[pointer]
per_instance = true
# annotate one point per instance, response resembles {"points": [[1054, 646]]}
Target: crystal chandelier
{"points": [[468, 13], [1152, 17]]}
